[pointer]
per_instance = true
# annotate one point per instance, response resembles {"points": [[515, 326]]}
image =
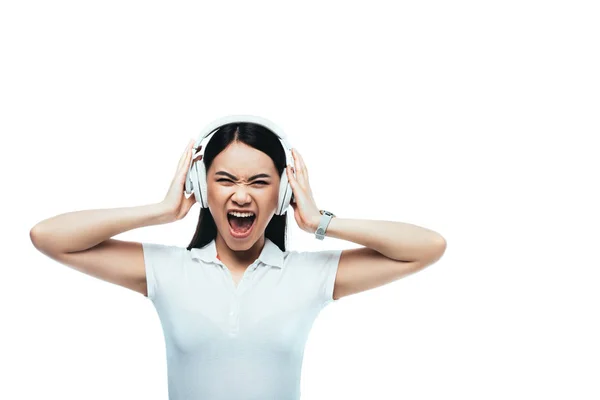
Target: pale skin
{"points": [[391, 249]]}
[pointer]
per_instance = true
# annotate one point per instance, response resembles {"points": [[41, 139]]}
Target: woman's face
{"points": [[232, 184]]}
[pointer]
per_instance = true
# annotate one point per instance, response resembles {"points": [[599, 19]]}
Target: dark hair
{"points": [[261, 138]]}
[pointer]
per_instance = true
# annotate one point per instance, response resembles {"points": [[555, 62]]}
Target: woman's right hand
{"points": [[175, 202]]}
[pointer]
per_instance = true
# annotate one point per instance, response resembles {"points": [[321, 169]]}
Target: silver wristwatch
{"points": [[326, 216]]}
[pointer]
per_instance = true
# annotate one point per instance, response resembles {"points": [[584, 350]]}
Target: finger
{"points": [[184, 167], [302, 164], [188, 161], [301, 177], [301, 171], [195, 155], [189, 202], [196, 149], [293, 182], [185, 154], [290, 172], [198, 158], [190, 153], [188, 149]]}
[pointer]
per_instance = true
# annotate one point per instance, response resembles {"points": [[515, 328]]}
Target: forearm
{"points": [[81, 230], [395, 240]]}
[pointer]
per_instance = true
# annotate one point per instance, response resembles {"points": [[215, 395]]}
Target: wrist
{"points": [[163, 213], [320, 229], [314, 224]]}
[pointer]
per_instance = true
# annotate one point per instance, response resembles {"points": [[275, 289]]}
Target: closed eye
{"points": [[229, 180]]}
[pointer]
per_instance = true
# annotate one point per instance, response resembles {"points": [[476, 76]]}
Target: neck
{"points": [[241, 257]]}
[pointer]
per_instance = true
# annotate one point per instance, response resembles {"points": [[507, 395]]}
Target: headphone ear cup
{"points": [[197, 181], [202, 183], [187, 187], [285, 194], [200, 188]]}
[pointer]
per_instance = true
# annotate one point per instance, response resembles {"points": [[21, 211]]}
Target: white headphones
{"points": [[195, 179]]}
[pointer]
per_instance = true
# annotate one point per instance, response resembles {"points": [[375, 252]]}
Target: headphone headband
{"points": [[218, 123]]}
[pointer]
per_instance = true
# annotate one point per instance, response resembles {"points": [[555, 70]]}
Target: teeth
{"points": [[237, 214]]}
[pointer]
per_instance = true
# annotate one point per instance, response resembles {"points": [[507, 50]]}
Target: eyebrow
{"points": [[235, 177]]}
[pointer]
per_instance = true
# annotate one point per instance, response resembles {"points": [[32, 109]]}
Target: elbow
{"points": [[35, 235], [442, 244], [438, 249]]}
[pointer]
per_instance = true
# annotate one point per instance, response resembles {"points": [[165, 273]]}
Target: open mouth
{"points": [[240, 227]]}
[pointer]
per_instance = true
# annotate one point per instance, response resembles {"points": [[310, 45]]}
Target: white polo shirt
{"points": [[237, 343]]}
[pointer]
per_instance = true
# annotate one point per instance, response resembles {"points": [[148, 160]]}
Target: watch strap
{"points": [[326, 217]]}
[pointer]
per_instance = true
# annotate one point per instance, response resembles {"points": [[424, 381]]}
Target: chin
{"points": [[239, 244]]}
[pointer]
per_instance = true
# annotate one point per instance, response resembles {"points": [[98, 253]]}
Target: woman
{"points": [[235, 306]]}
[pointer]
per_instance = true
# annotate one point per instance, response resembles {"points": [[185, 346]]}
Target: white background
{"points": [[473, 119]]}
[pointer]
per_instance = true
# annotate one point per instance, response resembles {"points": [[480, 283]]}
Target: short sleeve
{"points": [[324, 265], [160, 262]]}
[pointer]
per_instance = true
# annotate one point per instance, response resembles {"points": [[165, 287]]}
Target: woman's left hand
{"points": [[306, 212]]}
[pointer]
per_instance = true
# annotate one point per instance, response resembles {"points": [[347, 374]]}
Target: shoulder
{"points": [[164, 266], [316, 259], [316, 271], [161, 249], [313, 264], [160, 255]]}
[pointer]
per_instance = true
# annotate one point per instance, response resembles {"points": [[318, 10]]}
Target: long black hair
{"points": [[261, 138]]}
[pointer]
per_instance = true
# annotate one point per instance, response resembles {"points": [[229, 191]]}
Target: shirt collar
{"points": [[271, 254]]}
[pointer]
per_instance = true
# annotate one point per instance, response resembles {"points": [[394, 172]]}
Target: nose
{"points": [[240, 195]]}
